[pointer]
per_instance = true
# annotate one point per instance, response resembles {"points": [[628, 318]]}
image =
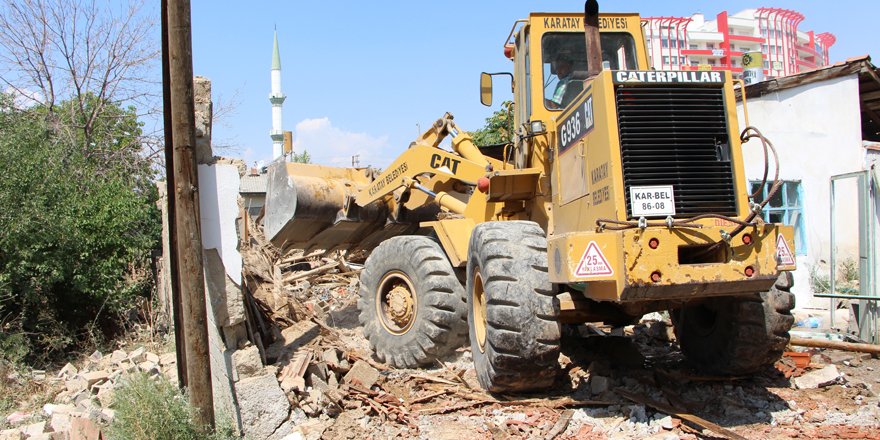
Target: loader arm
{"points": [[425, 156]]}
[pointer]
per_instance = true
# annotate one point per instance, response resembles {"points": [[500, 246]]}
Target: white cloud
{"points": [[24, 98], [331, 145]]}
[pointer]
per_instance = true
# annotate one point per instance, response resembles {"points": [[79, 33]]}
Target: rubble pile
{"points": [[296, 285], [83, 403], [624, 382]]}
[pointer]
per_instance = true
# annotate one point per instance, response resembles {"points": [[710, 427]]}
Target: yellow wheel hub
{"points": [[479, 305], [396, 302]]}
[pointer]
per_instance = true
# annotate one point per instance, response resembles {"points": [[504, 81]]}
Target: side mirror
{"points": [[486, 89]]}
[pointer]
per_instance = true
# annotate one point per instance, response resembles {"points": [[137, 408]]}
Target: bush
{"points": [[154, 409], [77, 223]]}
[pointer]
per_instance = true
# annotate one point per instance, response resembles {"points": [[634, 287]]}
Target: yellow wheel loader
{"points": [[622, 192]]}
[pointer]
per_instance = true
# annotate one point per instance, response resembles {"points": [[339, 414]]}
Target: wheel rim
{"points": [[479, 310], [396, 302]]}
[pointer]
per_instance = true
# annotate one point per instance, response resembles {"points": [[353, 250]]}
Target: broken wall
{"points": [[816, 130]]}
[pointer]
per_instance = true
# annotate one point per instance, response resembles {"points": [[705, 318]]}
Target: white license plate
{"points": [[652, 201]]}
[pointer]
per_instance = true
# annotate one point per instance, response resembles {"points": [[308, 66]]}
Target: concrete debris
{"points": [[362, 374], [11, 434], [598, 384], [818, 378], [138, 355], [68, 371], [83, 403], [118, 356], [247, 362], [94, 377], [34, 429], [262, 405]]}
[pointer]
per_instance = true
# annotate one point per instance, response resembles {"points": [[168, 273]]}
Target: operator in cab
{"points": [[566, 87]]}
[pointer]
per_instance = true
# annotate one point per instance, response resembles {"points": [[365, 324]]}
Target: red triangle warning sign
{"points": [[784, 256], [593, 263]]}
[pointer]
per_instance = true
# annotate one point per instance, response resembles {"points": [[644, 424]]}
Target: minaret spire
{"points": [[277, 99]]}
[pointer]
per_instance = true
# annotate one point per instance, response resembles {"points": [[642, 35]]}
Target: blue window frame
{"points": [[786, 207]]}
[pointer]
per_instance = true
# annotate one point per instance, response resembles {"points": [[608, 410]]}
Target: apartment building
{"points": [[693, 43]]}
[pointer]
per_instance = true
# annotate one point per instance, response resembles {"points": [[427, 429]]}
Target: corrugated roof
{"points": [[851, 66], [251, 184]]}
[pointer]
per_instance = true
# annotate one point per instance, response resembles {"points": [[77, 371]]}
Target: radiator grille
{"points": [[677, 136]]}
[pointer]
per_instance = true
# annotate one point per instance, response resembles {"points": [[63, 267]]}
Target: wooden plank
{"points": [[680, 414], [835, 345], [319, 270]]}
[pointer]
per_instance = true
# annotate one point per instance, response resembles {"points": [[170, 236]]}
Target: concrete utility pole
{"points": [[187, 239]]}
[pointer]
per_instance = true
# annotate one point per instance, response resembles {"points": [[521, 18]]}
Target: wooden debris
{"points": [[461, 406], [306, 274], [300, 257], [835, 345], [430, 396], [428, 378], [680, 414], [560, 425]]}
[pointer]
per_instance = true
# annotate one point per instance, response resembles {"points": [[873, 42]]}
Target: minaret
{"points": [[277, 99]]}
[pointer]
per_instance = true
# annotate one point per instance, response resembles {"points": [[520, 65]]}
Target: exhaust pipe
{"points": [[591, 34]]}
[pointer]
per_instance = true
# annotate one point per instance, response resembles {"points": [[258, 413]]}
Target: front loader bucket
{"points": [[311, 207]]}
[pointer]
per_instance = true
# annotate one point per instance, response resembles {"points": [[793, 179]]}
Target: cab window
{"points": [[564, 59]]}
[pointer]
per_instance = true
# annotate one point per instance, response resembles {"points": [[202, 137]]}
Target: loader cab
{"points": [[536, 46]]}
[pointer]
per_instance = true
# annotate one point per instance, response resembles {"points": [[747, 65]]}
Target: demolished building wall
{"points": [[816, 131]]}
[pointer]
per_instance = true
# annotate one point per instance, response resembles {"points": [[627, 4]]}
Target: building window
{"points": [[710, 46], [692, 47], [786, 207], [665, 60], [682, 60], [664, 43], [764, 48]]}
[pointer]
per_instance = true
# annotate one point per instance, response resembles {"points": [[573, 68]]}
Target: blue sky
{"points": [[362, 77]]}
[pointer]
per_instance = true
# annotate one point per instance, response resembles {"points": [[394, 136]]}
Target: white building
{"points": [[823, 123], [691, 43]]}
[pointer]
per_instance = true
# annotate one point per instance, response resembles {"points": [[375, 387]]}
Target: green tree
{"points": [[77, 223], [498, 128], [303, 157]]}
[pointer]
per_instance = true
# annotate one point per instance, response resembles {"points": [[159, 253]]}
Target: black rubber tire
{"points": [[439, 325], [737, 335], [522, 331]]}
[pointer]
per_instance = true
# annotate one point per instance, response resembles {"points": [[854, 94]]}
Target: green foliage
{"points": [[819, 283], [303, 157], [498, 128], [849, 270], [154, 409], [77, 222]]}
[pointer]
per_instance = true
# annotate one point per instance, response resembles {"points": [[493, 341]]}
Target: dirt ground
{"points": [[610, 387]]}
